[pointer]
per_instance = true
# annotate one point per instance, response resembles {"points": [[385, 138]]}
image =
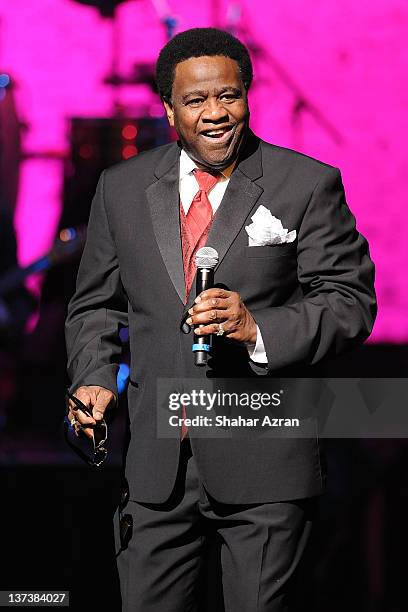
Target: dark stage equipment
{"points": [[10, 145], [68, 245], [141, 73], [97, 144], [106, 7]]}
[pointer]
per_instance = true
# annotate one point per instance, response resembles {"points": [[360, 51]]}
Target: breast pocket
{"points": [[268, 270], [271, 251]]}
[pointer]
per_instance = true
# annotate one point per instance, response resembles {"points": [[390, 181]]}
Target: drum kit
{"points": [[99, 142], [141, 73], [94, 141]]}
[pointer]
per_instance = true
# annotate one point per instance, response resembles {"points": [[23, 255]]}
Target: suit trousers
{"points": [[260, 546]]}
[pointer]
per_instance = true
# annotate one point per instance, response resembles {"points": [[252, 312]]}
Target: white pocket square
{"points": [[266, 229]]}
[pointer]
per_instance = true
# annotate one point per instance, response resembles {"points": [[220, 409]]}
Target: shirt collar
{"points": [[187, 165]]}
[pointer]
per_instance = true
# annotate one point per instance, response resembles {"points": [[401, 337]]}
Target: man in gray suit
{"points": [[280, 306]]}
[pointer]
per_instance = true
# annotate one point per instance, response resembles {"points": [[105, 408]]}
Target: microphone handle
{"points": [[202, 344]]}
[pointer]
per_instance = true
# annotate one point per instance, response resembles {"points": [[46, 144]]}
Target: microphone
{"points": [[206, 259]]}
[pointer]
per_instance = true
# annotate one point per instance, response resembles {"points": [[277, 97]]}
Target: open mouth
{"points": [[218, 135]]}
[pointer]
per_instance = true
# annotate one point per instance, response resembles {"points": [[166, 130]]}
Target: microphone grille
{"points": [[206, 257]]}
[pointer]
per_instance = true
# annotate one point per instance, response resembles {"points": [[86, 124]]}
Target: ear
{"points": [[169, 113]]}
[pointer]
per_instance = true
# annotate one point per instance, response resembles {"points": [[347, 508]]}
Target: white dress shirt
{"points": [[188, 187]]}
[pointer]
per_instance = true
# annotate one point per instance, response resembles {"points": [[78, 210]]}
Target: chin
{"points": [[218, 161], [223, 158]]}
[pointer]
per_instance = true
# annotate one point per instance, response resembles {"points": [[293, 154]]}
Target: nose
{"points": [[214, 112]]}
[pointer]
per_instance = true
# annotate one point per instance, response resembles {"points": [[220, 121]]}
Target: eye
{"points": [[194, 102], [229, 97]]}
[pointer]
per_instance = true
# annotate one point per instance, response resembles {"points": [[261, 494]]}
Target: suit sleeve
{"points": [[336, 276], [98, 308]]}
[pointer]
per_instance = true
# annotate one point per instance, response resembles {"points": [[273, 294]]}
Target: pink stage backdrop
{"points": [[331, 81]]}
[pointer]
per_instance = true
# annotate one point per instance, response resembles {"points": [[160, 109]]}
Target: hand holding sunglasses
{"points": [[83, 433]]}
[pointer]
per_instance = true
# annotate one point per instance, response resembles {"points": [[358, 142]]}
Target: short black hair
{"points": [[199, 42]]}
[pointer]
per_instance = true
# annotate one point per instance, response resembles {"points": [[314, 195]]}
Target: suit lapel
{"points": [[239, 199], [163, 197]]}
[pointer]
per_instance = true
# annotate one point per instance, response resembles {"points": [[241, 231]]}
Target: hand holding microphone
{"points": [[216, 309]]}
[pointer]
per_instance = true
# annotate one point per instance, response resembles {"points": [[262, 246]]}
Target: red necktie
{"points": [[195, 228], [197, 223]]}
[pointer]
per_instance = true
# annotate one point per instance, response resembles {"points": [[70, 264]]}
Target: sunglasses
{"points": [[92, 450]]}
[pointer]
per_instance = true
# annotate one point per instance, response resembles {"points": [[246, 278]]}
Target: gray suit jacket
{"points": [[311, 299]]}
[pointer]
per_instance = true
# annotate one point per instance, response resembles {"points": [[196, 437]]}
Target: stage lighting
{"points": [[129, 132], [129, 151]]}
